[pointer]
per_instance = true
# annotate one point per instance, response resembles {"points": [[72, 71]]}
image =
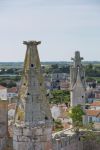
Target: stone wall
{"points": [[28, 138], [64, 142], [3, 123], [73, 142], [3, 142]]}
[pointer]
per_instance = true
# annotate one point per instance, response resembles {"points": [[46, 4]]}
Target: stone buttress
{"points": [[77, 81], [33, 122]]}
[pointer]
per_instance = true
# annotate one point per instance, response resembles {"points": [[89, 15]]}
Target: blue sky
{"points": [[63, 26]]}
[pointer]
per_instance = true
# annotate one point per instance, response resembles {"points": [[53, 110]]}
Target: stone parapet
{"points": [[74, 142], [62, 142]]}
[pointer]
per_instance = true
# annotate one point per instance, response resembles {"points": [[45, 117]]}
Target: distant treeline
{"points": [[91, 69], [48, 63]]}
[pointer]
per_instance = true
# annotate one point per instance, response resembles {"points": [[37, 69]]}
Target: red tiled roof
{"points": [[12, 90], [96, 92], [96, 103], [98, 115], [2, 87], [12, 106], [95, 113]]}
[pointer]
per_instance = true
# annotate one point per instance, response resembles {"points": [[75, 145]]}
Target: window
{"points": [[46, 118], [32, 65], [90, 119], [28, 94]]}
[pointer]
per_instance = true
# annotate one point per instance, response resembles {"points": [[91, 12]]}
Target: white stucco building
{"points": [[12, 92], [3, 93], [93, 114]]}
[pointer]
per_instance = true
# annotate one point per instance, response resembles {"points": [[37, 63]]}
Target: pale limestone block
{"points": [[39, 131], [37, 146], [48, 131], [18, 131], [27, 132], [15, 145], [33, 130], [15, 138], [43, 138], [22, 146], [24, 139]]}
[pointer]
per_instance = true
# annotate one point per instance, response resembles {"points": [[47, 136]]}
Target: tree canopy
{"points": [[76, 113], [59, 96]]}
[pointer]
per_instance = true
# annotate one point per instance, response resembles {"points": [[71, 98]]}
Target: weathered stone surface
{"points": [[39, 131], [27, 132], [29, 108], [3, 143], [33, 121], [3, 123], [77, 81], [74, 143], [18, 131]]}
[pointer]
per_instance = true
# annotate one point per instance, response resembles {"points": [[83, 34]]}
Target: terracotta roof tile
{"points": [[2, 87], [96, 103], [12, 90], [95, 113], [12, 106]]}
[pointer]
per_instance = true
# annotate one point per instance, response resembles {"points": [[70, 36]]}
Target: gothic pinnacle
{"points": [[31, 42]]}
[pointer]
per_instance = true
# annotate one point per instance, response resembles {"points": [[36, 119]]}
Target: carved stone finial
{"points": [[72, 58], [77, 55], [31, 42]]}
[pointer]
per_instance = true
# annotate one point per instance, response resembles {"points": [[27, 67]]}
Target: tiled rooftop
{"points": [[95, 113], [95, 103]]}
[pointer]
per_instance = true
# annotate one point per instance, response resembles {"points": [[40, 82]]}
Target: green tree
{"points": [[76, 113], [60, 96], [89, 134], [58, 125], [17, 78], [3, 83], [11, 84], [54, 66]]}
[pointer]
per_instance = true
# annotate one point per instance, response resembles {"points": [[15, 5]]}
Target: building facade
{"points": [[3, 93]]}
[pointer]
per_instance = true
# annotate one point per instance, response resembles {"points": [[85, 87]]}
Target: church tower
{"points": [[77, 81], [33, 122]]}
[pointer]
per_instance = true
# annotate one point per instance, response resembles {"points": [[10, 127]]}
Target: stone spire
{"points": [[33, 122], [32, 106], [77, 81]]}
